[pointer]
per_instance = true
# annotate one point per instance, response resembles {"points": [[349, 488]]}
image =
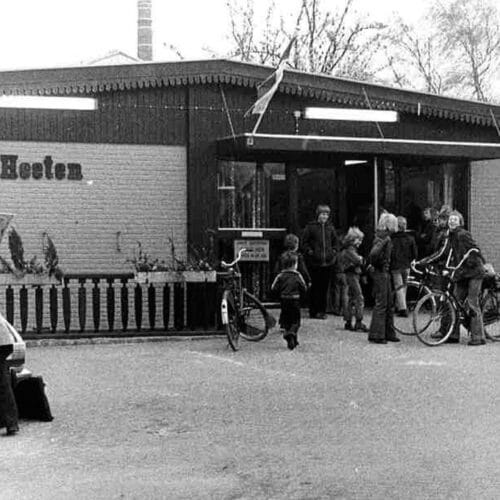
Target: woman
{"points": [[379, 260]]}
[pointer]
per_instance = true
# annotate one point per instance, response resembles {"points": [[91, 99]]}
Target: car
{"points": [[17, 359]]}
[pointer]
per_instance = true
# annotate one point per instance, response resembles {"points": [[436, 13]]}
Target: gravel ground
{"points": [[336, 418]]}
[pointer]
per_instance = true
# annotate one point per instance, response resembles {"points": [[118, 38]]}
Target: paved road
{"points": [[336, 418]]}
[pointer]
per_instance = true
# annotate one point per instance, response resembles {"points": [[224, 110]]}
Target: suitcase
{"points": [[32, 402]]}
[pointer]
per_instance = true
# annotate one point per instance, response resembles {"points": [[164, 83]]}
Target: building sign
{"points": [[255, 250], [46, 169]]}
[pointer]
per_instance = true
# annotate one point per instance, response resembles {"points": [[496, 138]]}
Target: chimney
{"points": [[144, 31]]}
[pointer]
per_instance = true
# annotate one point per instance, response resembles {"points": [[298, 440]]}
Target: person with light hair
{"points": [[382, 324], [350, 263]]}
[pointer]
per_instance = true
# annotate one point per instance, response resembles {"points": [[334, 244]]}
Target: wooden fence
{"points": [[112, 304]]}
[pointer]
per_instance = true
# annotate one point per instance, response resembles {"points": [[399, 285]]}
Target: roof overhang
{"points": [[258, 146]]}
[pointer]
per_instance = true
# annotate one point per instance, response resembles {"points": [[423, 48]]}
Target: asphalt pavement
{"points": [[337, 418]]}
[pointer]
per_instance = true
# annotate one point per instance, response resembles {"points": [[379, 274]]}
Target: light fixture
{"points": [[354, 162], [48, 102], [349, 114]]}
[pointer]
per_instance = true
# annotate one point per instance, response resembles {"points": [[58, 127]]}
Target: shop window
{"points": [[251, 194]]}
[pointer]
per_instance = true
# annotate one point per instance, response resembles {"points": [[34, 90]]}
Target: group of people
{"points": [[308, 268]]}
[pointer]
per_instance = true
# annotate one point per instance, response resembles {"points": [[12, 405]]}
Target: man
{"points": [[320, 244]]}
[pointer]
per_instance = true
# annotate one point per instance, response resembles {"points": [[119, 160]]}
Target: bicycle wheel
{"points": [[254, 321], [491, 315], [414, 292], [229, 317], [434, 318]]}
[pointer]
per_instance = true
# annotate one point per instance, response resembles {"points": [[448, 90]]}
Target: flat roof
{"points": [[245, 146]]}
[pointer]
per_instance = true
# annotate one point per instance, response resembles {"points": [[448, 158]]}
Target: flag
{"points": [[268, 87]]}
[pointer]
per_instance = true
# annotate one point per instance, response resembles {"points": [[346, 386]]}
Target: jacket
{"points": [[404, 250], [289, 284], [381, 251], [320, 244], [301, 267], [461, 242], [349, 261]]}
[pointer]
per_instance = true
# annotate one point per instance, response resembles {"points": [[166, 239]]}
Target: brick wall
{"points": [[128, 193], [485, 208]]}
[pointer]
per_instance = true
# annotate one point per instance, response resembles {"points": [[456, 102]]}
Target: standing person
{"points": [[426, 232], [404, 251], [289, 285], [441, 232], [320, 244], [350, 264], [382, 323], [8, 408], [465, 256]]}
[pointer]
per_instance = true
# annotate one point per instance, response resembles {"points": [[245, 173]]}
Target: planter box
{"points": [[176, 277], [28, 280]]}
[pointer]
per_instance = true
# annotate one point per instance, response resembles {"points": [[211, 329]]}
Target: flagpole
{"points": [[375, 191], [257, 123]]}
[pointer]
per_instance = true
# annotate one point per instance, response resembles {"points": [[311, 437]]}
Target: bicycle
{"points": [[436, 314], [243, 314], [420, 284]]}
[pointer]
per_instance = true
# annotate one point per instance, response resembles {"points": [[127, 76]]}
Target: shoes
{"points": [[477, 342], [12, 430], [291, 341], [393, 339], [360, 327], [348, 326], [403, 313], [377, 341]]}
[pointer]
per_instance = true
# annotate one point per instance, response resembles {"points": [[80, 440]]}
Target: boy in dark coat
{"points": [[289, 285], [320, 244]]}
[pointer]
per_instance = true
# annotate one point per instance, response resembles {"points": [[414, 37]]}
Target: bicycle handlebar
{"points": [[447, 269], [235, 261]]}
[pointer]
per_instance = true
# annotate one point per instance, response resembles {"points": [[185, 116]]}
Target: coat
{"points": [[461, 242], [381, 251], [404, 250], [301, 267], [349, 261], [320, 244]]}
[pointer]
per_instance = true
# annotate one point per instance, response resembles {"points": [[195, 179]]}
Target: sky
{"points": [[59, 33]]}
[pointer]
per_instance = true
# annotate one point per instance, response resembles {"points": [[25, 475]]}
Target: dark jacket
{"points": [[301, 267], [289, 284], [461, 242], [320, 244], [349, 261], [425, 237], [404, 250], [381, 251]]}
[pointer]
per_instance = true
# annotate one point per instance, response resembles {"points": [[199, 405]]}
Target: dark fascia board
{"points": [[325, 89], [245, 145]]}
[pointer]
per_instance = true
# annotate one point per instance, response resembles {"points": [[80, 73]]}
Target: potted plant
{"points": [[30, 272], [153, 270]]}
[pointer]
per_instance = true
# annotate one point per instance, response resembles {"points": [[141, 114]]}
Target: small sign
{"points": [[252, 234], [255, 250]]}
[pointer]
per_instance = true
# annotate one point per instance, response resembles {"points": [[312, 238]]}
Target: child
{"points": [[289, 285], [350, 263], [291, 244]]}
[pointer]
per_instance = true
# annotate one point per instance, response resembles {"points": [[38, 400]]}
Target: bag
{"points": [[32, 402]]}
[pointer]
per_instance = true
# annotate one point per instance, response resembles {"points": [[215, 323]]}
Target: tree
{"points": [[414, 59], [332, 42], [470, 35]]}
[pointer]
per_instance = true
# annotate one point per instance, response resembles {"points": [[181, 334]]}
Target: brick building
{"points": [[169, 154]]}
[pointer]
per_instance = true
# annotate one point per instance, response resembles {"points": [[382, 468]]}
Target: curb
{"points": [[114, 340]]}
